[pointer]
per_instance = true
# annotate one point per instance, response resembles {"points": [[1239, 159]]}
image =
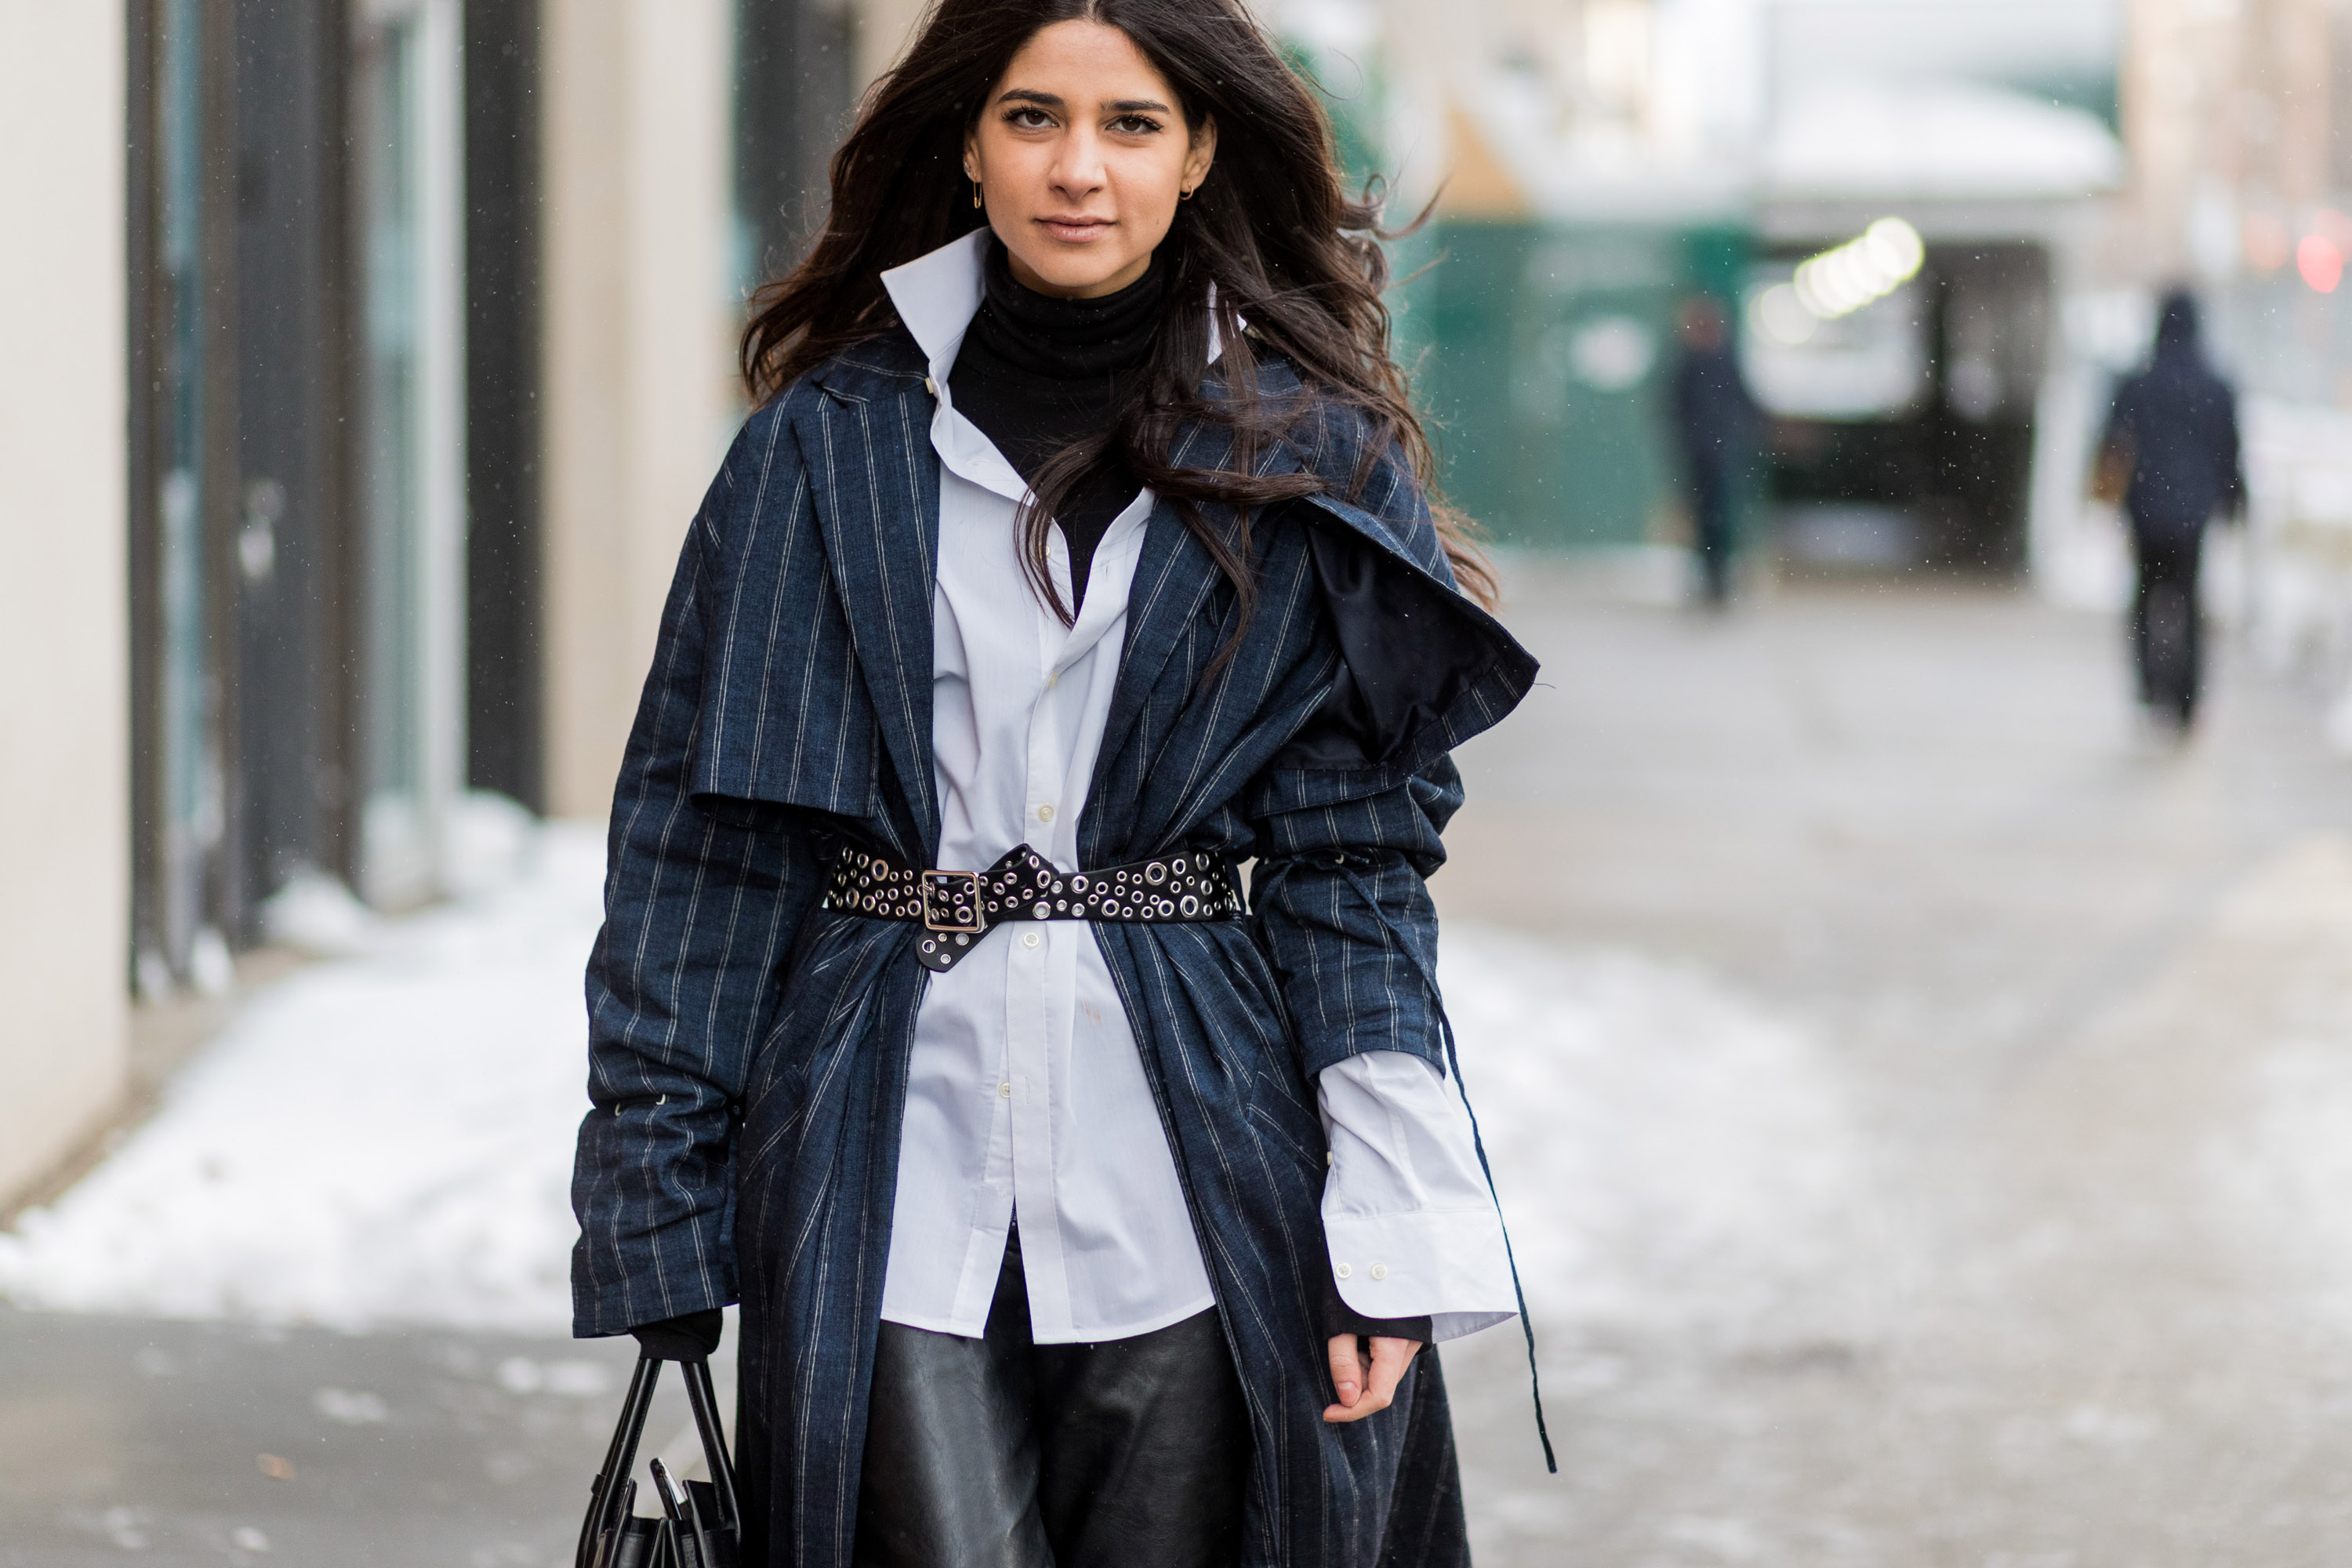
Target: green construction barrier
{"points": [[1540, 351]]}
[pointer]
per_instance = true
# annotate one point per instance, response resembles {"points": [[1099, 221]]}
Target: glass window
{"points": [[411, 481], [188, 762]]}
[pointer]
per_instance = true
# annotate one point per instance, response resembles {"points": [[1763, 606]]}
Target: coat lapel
{"points": [[1173, 579], [878, 492]]}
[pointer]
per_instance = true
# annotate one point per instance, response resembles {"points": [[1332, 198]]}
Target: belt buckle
{"points": [[977, 921]]}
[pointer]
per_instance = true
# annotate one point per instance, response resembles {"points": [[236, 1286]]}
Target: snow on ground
{"points": [[380, 1139], [2286, 1169], [387, 1137], [1668, 1154]]}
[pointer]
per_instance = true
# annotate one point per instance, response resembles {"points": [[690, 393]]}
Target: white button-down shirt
{"points": [[1025, 1090]]}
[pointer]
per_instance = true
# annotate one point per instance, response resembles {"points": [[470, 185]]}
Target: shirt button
{"points": [[1380, 1270], [1044, 813], [1028, 938], [1005, 1091], [1343, 1271]]}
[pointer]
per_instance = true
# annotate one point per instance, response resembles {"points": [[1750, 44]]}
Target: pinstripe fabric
{"points": [[749, 1049]]}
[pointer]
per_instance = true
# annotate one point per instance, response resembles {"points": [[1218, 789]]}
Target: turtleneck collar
{"points": [[1064, 340]]}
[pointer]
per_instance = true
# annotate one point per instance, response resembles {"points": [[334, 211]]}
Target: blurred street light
{"points": [[1840, 281], [2320, 262]]}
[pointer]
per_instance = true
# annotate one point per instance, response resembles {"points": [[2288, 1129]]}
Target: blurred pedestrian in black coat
{"points": [[1715, 426], [2172, 440]]}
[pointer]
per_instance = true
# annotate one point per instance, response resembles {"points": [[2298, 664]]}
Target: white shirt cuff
{"points": [[1450, 1267], [1411, 1222]]}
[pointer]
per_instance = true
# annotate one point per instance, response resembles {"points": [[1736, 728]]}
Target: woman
{"points": [[1080, 551]]}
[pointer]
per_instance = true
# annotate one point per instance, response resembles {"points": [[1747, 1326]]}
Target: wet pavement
{"points": [[2085, 1002], [2074, 1010], [127, 1441]]}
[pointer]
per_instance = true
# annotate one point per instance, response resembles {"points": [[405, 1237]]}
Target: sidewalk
{"points": [[2030, 1237], [315, 1311]]}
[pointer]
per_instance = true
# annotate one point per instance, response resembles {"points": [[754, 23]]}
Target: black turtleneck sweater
{"points": [[1036, 373]]}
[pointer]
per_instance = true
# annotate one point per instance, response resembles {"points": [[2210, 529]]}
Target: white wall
{"points": [[1995, 40], [639, 362], [64, 700], [884, 28]]}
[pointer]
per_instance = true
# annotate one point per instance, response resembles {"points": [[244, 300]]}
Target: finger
{"points": [[1347, 1370], [1390, 1359]]}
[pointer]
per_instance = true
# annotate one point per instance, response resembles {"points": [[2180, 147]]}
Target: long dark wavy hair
{"points": [[1271, 237]]}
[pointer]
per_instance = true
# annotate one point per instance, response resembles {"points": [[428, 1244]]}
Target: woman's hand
{"points": [[1349, 1376]]}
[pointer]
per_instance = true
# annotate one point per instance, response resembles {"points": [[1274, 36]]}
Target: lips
{"points": [[1075, 227]]}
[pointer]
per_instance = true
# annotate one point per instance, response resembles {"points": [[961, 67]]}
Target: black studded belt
{"points": [[957, 908]]}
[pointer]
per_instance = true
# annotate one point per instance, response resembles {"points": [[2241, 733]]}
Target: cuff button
{"points": [[1343, 1271], [1380, 1270]]}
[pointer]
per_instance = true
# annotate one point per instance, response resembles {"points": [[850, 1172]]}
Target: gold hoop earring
{"points": [[975, 193]]}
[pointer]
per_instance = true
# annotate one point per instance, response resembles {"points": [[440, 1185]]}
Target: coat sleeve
{"points": [[700, 911], [1347, 817], [1343, 911]]}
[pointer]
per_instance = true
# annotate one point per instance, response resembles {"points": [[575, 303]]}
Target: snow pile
{"points": [[1667, 1154], [2273, 963], [381, 1139], [2287, 1172], [387, 1137], [1908, 139]]}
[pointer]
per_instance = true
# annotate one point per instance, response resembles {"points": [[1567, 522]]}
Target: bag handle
{"points": [[705, 1401], [609, 1495]]}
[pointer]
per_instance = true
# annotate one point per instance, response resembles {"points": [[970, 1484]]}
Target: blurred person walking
{"points": [[2170, 454], [1715, 426], [1082, 546]]}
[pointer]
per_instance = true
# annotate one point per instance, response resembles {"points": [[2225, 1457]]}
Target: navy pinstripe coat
{"points": [[749, 1047]]}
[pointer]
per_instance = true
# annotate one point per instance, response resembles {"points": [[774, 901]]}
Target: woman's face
{"points": [[1081, 156]]}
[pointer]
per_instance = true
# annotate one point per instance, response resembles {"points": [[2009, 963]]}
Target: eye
{"points": [[1135, 125], [1027, 117]]}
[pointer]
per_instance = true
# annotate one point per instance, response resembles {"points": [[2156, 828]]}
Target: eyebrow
{"points": [[1054, 100]]}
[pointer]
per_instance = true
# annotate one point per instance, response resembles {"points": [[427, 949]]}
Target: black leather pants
{"points": [[999, 1453]]}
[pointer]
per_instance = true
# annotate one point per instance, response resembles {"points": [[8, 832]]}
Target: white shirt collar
{"points": [[938, 295]]}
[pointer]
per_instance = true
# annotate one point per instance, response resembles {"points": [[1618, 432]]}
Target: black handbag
{"points": [[699, 1526]]}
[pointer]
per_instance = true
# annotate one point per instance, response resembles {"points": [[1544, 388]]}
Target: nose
{"points": [[1077, 172]]}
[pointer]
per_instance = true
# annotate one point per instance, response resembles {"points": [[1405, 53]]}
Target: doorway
{"points": [[1902, 431]]}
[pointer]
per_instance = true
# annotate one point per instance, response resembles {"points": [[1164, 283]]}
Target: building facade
{"points": [[1595, 165], [65, 881], [373, 360], [2240, 114]]}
